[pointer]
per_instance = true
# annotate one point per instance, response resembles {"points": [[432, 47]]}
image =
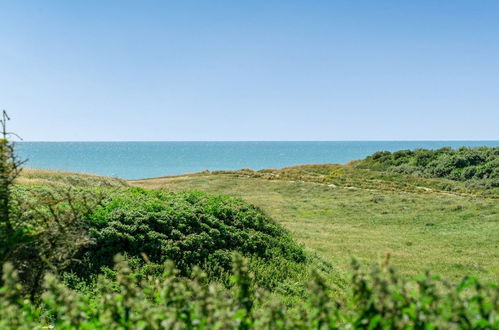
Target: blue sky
{"points": [[250, 70]]}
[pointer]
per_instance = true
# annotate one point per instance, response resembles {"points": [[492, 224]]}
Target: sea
{"points": [[134, 160]]}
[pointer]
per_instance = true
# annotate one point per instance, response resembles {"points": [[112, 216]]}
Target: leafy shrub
{"points": [[190, 228], [81, 229], [379, 299], [50, 226], [383, 300]]}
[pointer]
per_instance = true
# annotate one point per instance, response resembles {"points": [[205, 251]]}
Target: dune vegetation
{"points": [[477, 167], [249, 249], [32, 176], [340, 211]]}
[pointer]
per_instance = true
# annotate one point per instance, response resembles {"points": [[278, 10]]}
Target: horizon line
{"points": [[145, 141]]}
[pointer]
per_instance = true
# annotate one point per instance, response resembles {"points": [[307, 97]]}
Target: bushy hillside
{"points": [[189, 228], [476, 166], [80, 230]]}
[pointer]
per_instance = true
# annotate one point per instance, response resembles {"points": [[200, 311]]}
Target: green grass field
{"points": [[341, 212]]}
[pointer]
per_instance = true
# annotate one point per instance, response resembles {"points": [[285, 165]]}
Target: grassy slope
{"points": [[355, 214], [339, 212], [37, 176]]}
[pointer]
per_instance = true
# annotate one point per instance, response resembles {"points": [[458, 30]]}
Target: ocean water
{"points": [[133, 160]]}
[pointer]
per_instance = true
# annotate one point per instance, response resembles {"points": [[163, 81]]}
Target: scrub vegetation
{"points": [[247, 249], [477, 167], [340, 211]]}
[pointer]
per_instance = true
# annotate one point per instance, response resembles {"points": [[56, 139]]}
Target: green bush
{"points": [[190, 228], [479, 165], [50, 229], [79, 230]]}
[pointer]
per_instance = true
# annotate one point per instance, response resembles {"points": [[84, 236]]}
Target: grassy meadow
{"points": [[340, 211]]}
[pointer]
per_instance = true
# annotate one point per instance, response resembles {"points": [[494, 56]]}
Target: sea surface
{"points": [[133, 160]]}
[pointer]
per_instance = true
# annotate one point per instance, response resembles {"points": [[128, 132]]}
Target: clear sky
{"points": [[250, 70]]}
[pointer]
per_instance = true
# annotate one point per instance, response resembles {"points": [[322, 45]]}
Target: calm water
{"points": [[132, 160]]}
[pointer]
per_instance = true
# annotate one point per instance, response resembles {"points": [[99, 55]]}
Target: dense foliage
{"points": [[379, 300], [49, 229], [80, 230], [190, 228], [474, 165]]}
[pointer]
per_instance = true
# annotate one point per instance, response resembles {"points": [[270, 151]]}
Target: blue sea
{"points": [[133, 160]]}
